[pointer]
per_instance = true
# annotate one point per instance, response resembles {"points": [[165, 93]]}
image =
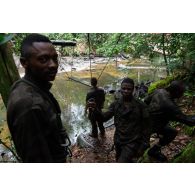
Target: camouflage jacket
{"points": [[33, 117], [163, 109], [131, 121]]}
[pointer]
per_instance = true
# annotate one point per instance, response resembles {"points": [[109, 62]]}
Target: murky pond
{"points": [[71, 95]]}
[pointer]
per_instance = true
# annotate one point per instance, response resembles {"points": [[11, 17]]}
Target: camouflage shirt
{"points": [[33, 117], [163, 109], [131, 121]]}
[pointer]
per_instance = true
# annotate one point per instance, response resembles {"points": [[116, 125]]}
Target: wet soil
{"points": [[102, 151]]}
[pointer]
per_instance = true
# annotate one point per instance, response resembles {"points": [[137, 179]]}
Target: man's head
{"points": [[93, 81], [127, 87], [39, 57], [176, 89]]}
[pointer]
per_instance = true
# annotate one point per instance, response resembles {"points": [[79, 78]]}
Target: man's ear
{"points": [[24, 62]]}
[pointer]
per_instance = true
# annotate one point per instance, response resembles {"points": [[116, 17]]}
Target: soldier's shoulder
{"points": [[160, 91], [91, 92], [115, 103], [101, 89], [161, 94], [26, 95]]}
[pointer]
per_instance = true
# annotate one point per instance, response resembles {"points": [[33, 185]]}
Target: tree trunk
{"points": [[8, 71], [164, 54]]}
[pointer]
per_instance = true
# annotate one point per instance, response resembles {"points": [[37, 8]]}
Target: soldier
{"points": [[163, 109], [131, 121], [96, 95], [33, 114]]}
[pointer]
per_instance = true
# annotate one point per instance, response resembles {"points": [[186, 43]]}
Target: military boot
{"points": [[155, 152]]}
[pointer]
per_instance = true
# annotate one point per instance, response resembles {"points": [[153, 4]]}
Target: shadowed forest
{"points": [[152, 60]]}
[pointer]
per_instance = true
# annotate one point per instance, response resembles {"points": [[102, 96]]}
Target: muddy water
{"points": [[71, 97], [71, 94]]}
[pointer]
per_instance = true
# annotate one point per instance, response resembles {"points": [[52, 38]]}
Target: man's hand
{"points": [[91, 105]]}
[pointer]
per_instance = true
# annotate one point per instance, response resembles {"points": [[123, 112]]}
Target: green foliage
{"points": [[145, 158], [160, 84], [189, 130], [181, 49], [187, 155], [178, 49], [60, 36], [17, 42], [52, 36], [165, 82], [1, 38], [109, 46], [189, 93], [96, 40], [135, 44], [4, 38]]}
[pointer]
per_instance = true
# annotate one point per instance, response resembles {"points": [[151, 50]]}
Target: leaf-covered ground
{"points": [[102, 152], [102, 148]]}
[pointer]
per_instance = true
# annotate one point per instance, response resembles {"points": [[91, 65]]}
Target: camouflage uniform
{"points": [[132, 124], [163, 109], [98, 95], [33, 117]]}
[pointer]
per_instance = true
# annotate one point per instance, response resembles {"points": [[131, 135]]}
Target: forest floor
{"points": [[102, 148]]}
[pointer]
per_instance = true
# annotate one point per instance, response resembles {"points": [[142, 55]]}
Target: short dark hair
{"points": [[93, 81], [176, 88], [177, 84], [127, 80], [29, 40]]}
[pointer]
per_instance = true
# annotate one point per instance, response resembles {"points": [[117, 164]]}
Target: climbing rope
{"points": [[89, 45], [72, 62]]}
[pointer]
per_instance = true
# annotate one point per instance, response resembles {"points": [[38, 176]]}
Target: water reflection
{"points": [[75, 121], [71, 95]]}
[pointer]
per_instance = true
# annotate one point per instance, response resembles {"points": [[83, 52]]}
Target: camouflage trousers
{"points": [[96, 123], [125, 153]]}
